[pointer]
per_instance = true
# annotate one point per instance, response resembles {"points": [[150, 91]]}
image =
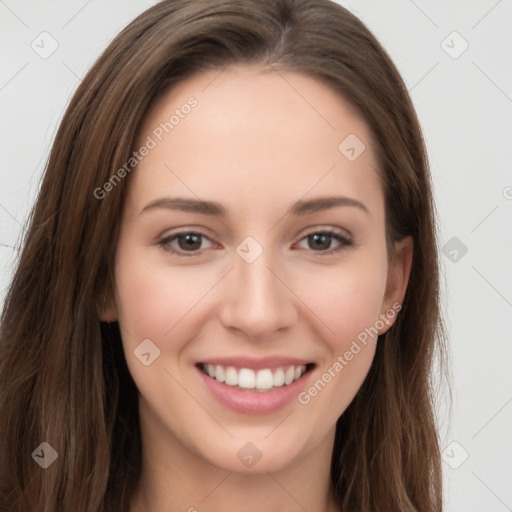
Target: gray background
{"points": [[464, 102]]}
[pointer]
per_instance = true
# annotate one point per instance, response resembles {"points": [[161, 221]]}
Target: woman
{"points": [[228, 293]]}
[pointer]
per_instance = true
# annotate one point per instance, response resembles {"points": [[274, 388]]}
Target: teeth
{"points": [[289, 375], [246, 379], [279, 377], [219, 374], [231, 376], [264, 379], [261, 380]]}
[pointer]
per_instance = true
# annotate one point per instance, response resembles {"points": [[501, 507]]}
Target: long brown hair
{"points": [[63, 375]]}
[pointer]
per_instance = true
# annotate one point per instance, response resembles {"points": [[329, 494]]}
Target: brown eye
{"points": [[320, 242], [188, 243]]}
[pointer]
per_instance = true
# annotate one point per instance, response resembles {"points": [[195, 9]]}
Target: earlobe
{"points": [[398, 279]]}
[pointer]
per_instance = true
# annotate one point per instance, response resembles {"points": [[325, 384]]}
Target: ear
{"points": [[398, 278]]}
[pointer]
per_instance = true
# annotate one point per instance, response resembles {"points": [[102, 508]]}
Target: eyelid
{"points": [[310, 230]]}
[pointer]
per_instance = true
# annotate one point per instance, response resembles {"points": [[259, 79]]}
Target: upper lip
{"points": [[256, 363]]}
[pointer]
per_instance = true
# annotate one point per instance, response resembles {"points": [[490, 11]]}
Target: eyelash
{"points": [[344, 242]]}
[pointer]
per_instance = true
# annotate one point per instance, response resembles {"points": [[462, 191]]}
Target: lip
{"points": [[255, 402]]}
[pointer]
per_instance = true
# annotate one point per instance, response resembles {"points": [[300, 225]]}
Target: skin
{"points": [[257, 142]]}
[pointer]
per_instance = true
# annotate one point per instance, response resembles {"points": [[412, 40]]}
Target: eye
{"points": [[188, 242], [320, 242]]}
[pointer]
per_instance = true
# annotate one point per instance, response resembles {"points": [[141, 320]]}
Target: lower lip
{"points": [[254, 402]]}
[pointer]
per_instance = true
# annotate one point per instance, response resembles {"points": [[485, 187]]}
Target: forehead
{"points": [[255, 132]]}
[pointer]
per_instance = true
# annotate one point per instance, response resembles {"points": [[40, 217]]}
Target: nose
{"points": [[258, 301]]}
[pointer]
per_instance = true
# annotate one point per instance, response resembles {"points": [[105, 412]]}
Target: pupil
{"points": [[192, 242], [325, 237]]}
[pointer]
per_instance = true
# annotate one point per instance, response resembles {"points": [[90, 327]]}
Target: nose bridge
{"points": [[257, 302]]}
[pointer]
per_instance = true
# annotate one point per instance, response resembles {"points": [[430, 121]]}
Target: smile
{"points": [[266, 379], [255, 386]]}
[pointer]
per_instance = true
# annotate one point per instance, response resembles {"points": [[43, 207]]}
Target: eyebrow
{"points": [[213, 208]]}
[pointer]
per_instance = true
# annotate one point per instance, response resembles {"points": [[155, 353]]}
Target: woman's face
{"points": [[229, 268]]}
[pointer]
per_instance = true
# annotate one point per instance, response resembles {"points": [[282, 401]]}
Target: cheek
{"points": [[355, 308], [348, 302], [158, 303], [153, 298], [346, 299]]}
